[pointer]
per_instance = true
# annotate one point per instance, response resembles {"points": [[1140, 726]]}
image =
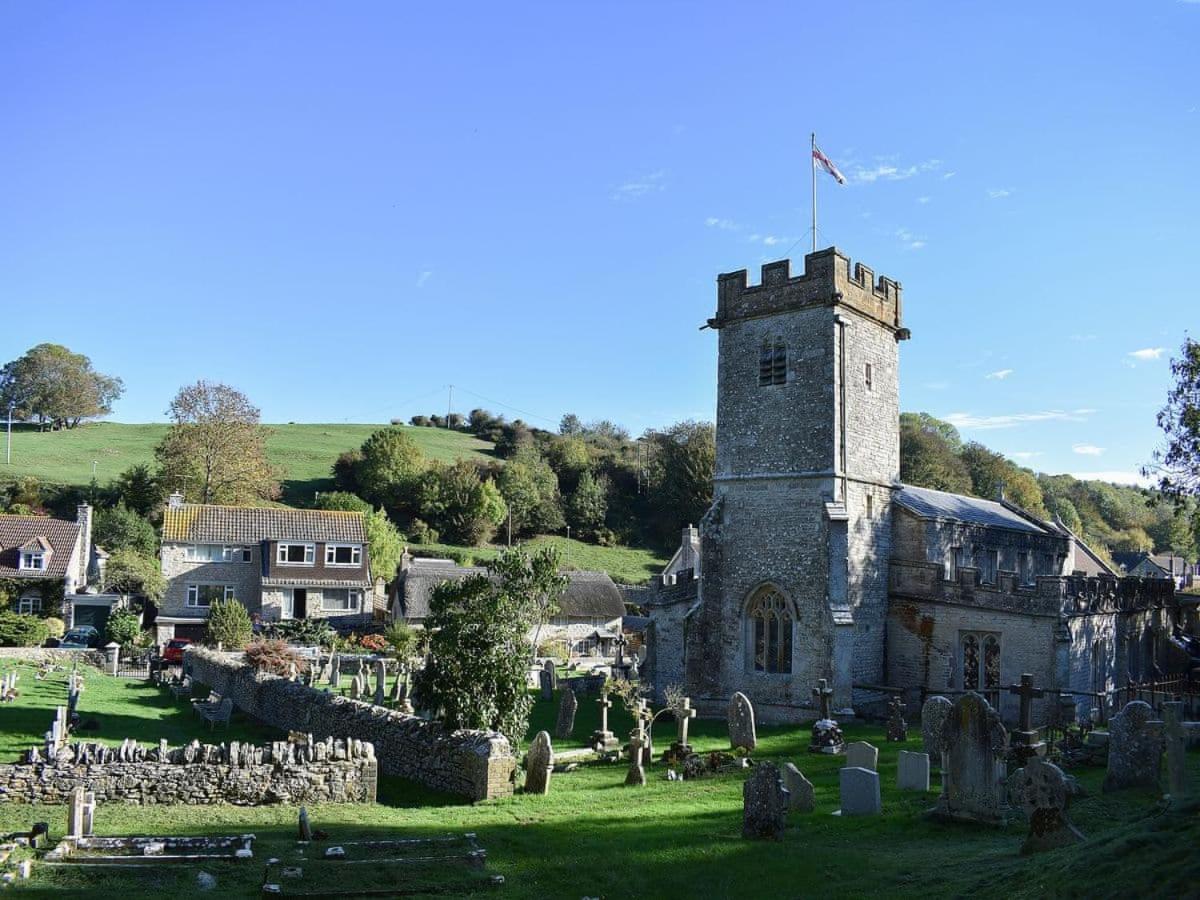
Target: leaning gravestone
{"points": [[1041, 789], [934, 715], [800, 789], [861, 755], [567, 707], [741, 722], [1176, 739], [764, 803], [974, 742], [860, 791], [550, 669], [539, 763], [912, 771], [1135, 747]]}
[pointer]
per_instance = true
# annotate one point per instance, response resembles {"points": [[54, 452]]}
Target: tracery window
{"points": [[980, 657], [769, 619], [772, 362]]}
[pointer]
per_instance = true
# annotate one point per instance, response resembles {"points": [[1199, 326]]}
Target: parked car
{"points": [[85, 637], [173, 652]]}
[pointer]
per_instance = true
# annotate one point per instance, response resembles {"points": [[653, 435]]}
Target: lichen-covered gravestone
{"points": [[552, 670], [539, 763], [764, 803], [861, 755], [912, 771], [741, 722], [1041, 789], [800, 789], [1135, 747], [934, 715], [859, 791], [974, 741], [567, 707], [380, 681], [546, 684]]}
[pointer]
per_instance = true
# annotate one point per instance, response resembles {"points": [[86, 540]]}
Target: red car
{"points": [[173, 652]]}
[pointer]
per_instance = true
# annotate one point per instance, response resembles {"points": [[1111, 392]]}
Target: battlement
{"points": [[828, 280]]}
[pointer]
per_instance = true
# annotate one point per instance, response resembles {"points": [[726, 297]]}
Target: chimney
{"points": [[175, 501], [83, 515]]}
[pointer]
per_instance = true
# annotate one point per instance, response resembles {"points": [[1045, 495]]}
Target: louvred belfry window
{"points": [[770, 621], [772, 362]]}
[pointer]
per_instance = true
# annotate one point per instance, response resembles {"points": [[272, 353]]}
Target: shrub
{"points": [[130, 572], [22, 630], [229, 624], [304, 631], [124, 627], [403, 639], [274, 657], [56, 627], [375, 643], [120, 528], [421, 533]]}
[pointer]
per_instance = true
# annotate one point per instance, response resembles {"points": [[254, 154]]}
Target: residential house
{"points": [[280, 563], [1157, 565]]}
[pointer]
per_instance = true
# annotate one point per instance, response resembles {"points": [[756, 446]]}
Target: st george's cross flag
{"points": [[827, 164]]}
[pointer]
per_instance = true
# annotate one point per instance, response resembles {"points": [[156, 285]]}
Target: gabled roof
{"points": [[58, 536], [1166, 563], [200, 523], [930, 504], [37, 544]]}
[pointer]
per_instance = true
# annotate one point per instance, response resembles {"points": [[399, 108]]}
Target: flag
{"points": [[827, 164]]}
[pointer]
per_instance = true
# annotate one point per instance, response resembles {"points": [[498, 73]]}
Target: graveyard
{"points": [[673, 837]]}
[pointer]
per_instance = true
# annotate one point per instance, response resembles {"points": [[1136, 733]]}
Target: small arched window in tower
{"points": [[772, 362], [769, 622]]}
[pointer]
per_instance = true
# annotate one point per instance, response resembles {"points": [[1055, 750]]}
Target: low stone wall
{"points": [[238, 774], [39, 655], [478, 765]]}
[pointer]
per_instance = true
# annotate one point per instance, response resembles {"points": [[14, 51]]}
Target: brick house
{"points": [[280, 563]]}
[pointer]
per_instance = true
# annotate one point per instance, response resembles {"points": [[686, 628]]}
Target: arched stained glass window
{"points": [[772, 362], [769, 619], [991, 662], [970, 660]]}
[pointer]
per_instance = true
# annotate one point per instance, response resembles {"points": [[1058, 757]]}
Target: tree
{"points": [[345, 471], [57, 387], [123, 627], [464, 508], [215, 452], [586, 507], [229, 624], [929, 454], [129, 572], [1176, 464], [120, 528], [681, 481], [530, 489], [138, 488], [990, 472], [570, 424], [385, 542], [479, 646], [390, 469]]}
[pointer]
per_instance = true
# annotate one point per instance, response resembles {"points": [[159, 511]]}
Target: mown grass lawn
{"points": [[592, 837]]}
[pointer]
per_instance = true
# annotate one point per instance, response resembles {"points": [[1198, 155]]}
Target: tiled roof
{"points": [[356, 583], [59, 535], [931, 504], [198, 523]]}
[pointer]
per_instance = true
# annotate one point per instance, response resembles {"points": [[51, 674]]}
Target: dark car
{"points": [[173, 652], [85, 637]]}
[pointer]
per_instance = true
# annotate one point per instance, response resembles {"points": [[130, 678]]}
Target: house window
{"points": [[35, 561], [870, 506], [235, 554], [30, 604], [297, 554], [343, 554], [868, 376], [216, 553], [955, 560], [772, 362], [287, 606], [202, 596], [1025, 561], [769, 621], [340, 600], [989, 564], [980, 661]]}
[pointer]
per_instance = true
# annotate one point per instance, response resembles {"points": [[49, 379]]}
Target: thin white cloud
{"points": [[722, 224], [886, 171], [998, 375], [1116, 476], [923, 200], [998, 193], [1087, 449], [423, 278], [1147, 353], [948, 176], [1012, 420], [640, 187], [912, 241]]}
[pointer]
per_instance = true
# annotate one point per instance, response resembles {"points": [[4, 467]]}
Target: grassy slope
{"points": [[592, 837], [626, 565]]}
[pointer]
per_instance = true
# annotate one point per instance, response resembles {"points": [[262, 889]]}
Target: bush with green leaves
{"points": [[22, 630], [124, 627], [311, 632], [229, 624], [56, 626], [130, 572], [121, 528], [403, 638], [465, 507]]}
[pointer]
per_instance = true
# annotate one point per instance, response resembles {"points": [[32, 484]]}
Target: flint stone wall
{"points": [[39, 655], [478, 765], [241, 775]]}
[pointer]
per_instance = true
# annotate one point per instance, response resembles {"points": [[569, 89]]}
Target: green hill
{"points": [[305, 453]]}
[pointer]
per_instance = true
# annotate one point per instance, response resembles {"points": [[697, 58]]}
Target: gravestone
{"points": [[75, 813], [897, 728], [974, 742], [1041, 789], [912, 771], [567, 707], [826, 735], [934, 715], [741, 722], [550, 669], [1135, 746], [764, 803], [861, 755], [398, 692], [304, 829], [539, 763], [636, 776], [1176, 739], [800, 789], [380, 682], [859, 791], [355, 688], [335, 671], [1026, 739], [683, 717], [602, 738], [546, 683]]}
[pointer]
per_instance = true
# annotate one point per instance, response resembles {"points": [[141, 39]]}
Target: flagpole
{"points": [[812, 163]]}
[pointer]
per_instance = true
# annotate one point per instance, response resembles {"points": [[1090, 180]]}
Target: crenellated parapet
{"points": [[828, 280]]}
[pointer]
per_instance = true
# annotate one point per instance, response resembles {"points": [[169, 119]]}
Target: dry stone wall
{"points": [[474, 764]]}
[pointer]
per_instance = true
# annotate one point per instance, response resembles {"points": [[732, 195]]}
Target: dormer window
{"points": [[33, 561], [772, 362], [343, 554], [297, 554]]}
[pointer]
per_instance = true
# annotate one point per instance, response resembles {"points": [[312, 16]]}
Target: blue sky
{"points": [[343, 208]]}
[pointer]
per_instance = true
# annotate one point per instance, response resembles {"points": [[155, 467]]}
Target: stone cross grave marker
{"points": [[741, 722], [1135, 739], [800, 789], [636, 777], [539, 763], [619, 644], [765, 803], [380, 681], [934, 715], [1026, 735], [602, 738], [1041, 789], [568, 705], [859, 792], [861, 755], [1176, 738], [897, 728], [826, 735], [974, 741], [683, 716], [912, 771]]}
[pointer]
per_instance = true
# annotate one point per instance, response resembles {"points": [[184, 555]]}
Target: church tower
{"points": [[795, 548]]}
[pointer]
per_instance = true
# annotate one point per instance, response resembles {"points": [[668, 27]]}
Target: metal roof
{"points": [[930, 504]]}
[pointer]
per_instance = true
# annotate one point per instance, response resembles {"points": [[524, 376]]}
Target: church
{"points": [[815, 562]]}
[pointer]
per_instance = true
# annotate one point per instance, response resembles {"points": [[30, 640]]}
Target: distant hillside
{"points": [[304, 452]]}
